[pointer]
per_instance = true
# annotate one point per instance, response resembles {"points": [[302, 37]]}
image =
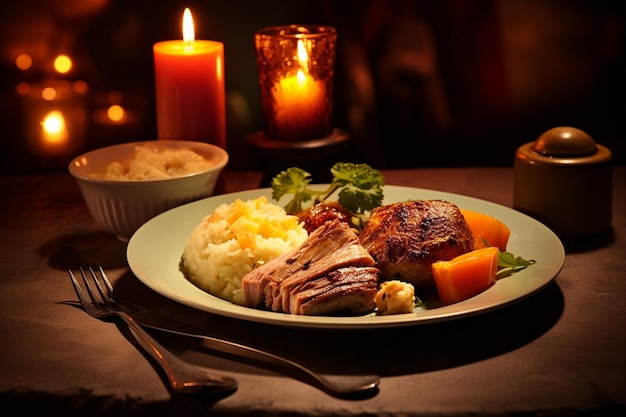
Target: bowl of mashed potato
{"points": [[126, 185]]}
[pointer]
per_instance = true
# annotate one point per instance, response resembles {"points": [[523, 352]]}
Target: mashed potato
{"points": [[154, 163], [235, 239], [395, 297]]}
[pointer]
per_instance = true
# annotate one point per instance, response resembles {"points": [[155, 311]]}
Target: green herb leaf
{"points": [[292, 181], [509, 263], [359, 187], [508, 260]]}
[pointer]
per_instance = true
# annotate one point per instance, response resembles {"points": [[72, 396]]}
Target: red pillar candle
{"points": [[190, 93]]}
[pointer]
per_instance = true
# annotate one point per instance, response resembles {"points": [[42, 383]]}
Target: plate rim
{"points": [[204, 301]]}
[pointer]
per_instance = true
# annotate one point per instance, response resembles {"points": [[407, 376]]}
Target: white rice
{"points": [[235, 239], [151, 162]]}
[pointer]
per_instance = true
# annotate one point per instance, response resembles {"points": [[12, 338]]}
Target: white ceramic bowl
{"points": [[122, 206]]}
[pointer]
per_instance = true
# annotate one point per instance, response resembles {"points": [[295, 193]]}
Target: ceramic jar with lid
{"points": [[565, 180]]}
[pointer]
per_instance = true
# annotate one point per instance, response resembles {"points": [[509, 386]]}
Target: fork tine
{"points": [[103, 297], [106, 294], [82, 297], [88, 286], [77, 288], [106, 282]]}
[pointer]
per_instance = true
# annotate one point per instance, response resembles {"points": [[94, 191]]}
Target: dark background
{"points": [[418, 83]]}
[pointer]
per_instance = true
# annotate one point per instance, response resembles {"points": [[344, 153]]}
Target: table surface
{"points": [[560, 351]]}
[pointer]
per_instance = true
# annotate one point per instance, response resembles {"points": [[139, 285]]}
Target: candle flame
{"points": [[301, 77], [54, 130], [303, 56], [189, 33]]}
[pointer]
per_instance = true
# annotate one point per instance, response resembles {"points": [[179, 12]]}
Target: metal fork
{"points": [[184, 377], [343, 386]]}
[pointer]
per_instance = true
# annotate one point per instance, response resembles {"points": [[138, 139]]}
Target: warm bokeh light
{"points": [[189, 33], [24, 62], [48, 93], [62, 64], [116, 114], [80, 87], [23, 89], [54, 129]]}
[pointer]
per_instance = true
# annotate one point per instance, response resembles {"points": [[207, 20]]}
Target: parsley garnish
{"points": [[359, 188], [509, 264]]}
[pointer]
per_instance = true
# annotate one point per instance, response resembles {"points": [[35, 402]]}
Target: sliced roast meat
{"points": [[349, 290], [348, 254], [331, 246]]}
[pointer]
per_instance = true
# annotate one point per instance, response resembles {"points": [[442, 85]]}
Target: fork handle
{"points": [[184, 377]]}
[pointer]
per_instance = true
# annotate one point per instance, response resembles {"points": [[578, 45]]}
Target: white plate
{"points": [[154, 253]]}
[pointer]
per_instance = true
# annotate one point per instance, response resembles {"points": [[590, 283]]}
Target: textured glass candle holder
{"points": [[296, 67]]}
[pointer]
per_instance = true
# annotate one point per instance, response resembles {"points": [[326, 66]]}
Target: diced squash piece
{"points": [[466, 275], [237, 210], [486, 228], [245, 231]]}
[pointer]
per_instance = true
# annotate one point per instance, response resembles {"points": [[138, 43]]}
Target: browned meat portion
{"points": [[277, 284], [406, 238], [317, 215], [350, 290]]}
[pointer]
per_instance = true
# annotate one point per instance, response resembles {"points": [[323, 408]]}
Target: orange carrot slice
{"points": [[486, 228], [466, 275]]}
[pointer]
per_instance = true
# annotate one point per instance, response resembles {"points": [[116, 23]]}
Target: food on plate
{"points": [[466, 275], [487, 230], [359, 190], [235, 239], [353, 255], [395, 297], [317, 215], [329, 274], [151, 162], [405, 238]]}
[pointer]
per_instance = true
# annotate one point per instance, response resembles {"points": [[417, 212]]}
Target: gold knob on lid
{"points": [[565, 142]]}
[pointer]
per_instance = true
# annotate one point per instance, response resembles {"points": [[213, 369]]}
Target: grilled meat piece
{"points": [[302, 281], [406, 238]]}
